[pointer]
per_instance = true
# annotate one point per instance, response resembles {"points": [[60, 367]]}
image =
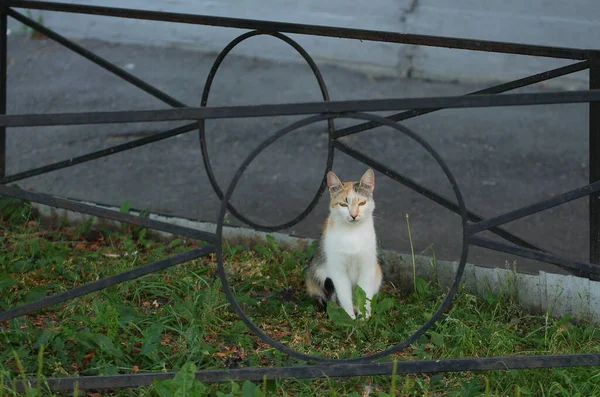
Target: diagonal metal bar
{"points": [[533, 208], [583, 268], [106, 282], [100, 153], [3, 72], [313, 30], [332, 370], [497, 89], [58, 202], [365, 105], [155, 92], [430, 194]]}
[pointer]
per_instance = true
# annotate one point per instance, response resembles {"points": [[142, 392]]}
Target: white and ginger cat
{"points": [[346, 253]]}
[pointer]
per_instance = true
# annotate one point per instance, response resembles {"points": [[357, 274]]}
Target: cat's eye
{"points": [[343, 204], [362, 203]]}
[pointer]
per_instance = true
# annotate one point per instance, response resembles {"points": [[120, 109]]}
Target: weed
{"points": [[179, 320], [32, 33]]}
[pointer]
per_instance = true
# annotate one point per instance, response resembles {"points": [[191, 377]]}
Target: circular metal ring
{"points": [[202, 130], [224, 205]]}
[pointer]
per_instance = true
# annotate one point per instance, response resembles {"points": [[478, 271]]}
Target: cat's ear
{"points": [[333, 182], [368, 180]]}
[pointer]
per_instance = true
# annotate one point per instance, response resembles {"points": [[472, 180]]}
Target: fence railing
{"points": [[472, 223]]}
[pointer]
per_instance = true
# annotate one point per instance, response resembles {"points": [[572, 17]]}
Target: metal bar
{"points": [[585, 268], [313, 30], [57, 202], [497, 89], [155, 92], [331, 370], [3, 70], [106, 282], [98, 154], [428, 193], [594, 157], [367, 105], [533, 208]]}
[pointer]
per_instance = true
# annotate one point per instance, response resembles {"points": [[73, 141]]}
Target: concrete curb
{"points": [[553, 294]]}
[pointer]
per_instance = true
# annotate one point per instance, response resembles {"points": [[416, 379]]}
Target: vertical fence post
{"points": [[3, 68], [594, 157]]}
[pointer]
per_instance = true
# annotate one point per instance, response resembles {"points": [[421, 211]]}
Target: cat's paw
{"points": [[363, 316]]}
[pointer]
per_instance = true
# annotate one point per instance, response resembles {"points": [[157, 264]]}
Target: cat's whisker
{"points": [[377, 218]]}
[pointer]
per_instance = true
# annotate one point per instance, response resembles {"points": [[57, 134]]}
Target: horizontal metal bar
{"points": [[220, 112], [426, 192], [331, 370], [497, 89], [585, 268], [70, 205], [313, 30], [105, 282], [155, 92], [99, 154], [533, 208]]}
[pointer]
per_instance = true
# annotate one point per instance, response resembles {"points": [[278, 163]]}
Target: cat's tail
{"points": [[321, 291]]}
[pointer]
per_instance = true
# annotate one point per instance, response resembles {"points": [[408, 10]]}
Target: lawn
{"points": [[179, 319]]}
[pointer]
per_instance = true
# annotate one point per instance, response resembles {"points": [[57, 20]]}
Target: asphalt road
{"points": [[503, 158]]}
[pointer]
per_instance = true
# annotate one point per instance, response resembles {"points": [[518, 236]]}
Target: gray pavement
{"points": [[503, 158]]}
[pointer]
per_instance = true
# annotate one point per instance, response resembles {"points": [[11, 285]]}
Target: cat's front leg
{"points": [[343, 289], [370, 282]]}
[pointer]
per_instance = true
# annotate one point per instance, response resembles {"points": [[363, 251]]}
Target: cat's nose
{"points": [[353, 216]]}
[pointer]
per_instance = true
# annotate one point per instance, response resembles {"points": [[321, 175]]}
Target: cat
{"points": [[346, 253]]}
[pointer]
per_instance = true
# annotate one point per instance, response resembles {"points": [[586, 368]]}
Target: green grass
{"points": [[179, 320]]}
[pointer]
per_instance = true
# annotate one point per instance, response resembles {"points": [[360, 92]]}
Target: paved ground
{"points": [[503, 158]]}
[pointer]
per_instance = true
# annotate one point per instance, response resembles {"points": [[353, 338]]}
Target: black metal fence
{"points": [[472, 223]]}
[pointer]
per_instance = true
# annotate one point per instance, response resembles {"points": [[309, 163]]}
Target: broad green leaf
{"points": [[235, 389], [34, 247], [338, 315], [165, 388], [435, 379], [184, 380], [385, 305], [271, 385], [360, 298], [35, 294], [197, 389], [6, 283], [45, 339], [175, 243], [102, 342], [248, 389], [151, 339], [421, 286], [125, 207], [437, 339]]}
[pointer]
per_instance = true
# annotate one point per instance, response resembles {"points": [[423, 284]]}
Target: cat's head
{"points": [[351, 202]]}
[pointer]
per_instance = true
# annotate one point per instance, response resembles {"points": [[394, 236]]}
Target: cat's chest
{"points": [[351, 241]]}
